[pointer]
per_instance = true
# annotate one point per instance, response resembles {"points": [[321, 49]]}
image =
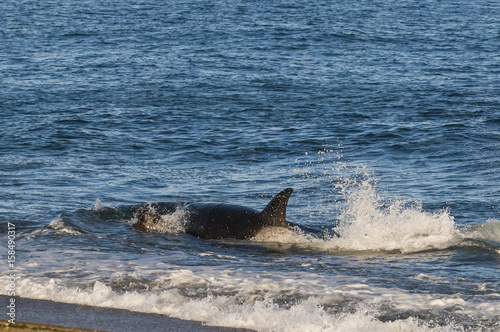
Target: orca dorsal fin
{"points": [[275, 212]]}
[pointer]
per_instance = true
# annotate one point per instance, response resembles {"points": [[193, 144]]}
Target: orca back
{"points": [[219, 221]]}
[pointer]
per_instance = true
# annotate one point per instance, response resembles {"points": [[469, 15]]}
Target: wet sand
{"points": [[21, 326], [41, 315]]}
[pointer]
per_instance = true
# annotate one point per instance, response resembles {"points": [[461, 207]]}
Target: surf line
{"points": [[11, 260]]}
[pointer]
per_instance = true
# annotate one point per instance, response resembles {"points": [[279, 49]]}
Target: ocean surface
{"points": [[384, 116]]}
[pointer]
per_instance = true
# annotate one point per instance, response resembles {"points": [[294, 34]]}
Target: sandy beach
{"points": [[41, 315]]}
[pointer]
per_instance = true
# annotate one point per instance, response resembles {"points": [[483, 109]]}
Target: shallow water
{"points": [[383, 116]]}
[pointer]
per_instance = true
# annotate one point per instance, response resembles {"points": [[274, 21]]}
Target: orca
{"points": [[225, 221]]}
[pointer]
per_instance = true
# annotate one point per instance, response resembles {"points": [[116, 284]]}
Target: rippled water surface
{"points": [[384, 116]]}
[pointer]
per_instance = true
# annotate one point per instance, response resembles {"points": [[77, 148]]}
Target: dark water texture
{"points": [[120, 86], [162, 101]]}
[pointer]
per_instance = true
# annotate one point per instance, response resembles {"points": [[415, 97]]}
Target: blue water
{"points": [[384, 116]]}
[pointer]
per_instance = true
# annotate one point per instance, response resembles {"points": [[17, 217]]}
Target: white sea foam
{"points": [[488, 231], [61, 227], [369, 223], [170, 223], [278, 234], [234, 299]]}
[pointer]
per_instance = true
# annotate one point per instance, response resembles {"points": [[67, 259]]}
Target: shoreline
{"points": [[44, 315], [23, 326]]}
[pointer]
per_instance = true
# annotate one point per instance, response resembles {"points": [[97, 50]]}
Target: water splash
{"points": [[61, 227], [369, 223], [488, 233], [364, 220], [278, 234], [170, 223]]}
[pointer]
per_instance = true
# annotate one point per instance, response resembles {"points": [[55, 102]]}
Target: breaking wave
{"points": [[366, 221], [259, 303]]}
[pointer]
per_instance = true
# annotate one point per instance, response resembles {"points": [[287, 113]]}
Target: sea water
{"points": [[384, 116]]}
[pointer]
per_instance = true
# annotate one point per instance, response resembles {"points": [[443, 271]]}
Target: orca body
{"points": [[226, 221]]}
